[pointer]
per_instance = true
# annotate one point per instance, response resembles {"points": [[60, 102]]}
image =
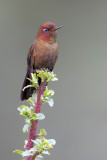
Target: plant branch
{"points": [[33, 158], [37, 144], [32, 133]]}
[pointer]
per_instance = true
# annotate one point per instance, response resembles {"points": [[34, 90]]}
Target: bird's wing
{"points": [[30, 59], [28, 91]]}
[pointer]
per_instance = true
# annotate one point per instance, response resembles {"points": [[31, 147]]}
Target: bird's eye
{"points": [[45, 30]]}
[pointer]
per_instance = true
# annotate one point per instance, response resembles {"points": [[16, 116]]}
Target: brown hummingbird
{"points": [[43, 53]]}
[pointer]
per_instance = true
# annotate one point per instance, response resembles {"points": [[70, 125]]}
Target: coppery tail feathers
{"points": [[28, 91]]}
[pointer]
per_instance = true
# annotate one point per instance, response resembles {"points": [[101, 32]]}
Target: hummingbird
{"points": [[42, 54]]}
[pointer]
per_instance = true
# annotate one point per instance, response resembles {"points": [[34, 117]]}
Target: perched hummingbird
{"points": [[43, 53]]}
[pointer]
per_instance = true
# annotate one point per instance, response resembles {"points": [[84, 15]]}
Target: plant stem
{"points": [[34, 156], [32, 133]]}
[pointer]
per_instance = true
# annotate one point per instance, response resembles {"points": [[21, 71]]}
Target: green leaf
{"points": [[34, 78], [25, 128], [40, 116], [34, 81], [28, 87], [43, 132], [25, 113], [32, 108], [18, 151], [45, 74], [34, 115], [50, 102], [27, 153], [31, 101], [37, 142], [20, 109], [52, 141], [33, 150], [28, 121], [51, 92], [45, 143], [39, 156], [30, 80], [46, 97], [48, 93], [54, 79], [46, 152]]}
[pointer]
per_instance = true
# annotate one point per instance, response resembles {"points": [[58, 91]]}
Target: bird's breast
{"points": [[46, 55]]}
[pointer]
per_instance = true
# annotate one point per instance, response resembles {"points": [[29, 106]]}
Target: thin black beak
{"points": [[59, 27]]}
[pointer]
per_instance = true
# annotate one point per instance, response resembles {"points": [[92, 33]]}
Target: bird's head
{"points": [[48, 32]]}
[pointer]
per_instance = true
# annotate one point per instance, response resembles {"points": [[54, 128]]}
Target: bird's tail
{"points": [[25, 94]]}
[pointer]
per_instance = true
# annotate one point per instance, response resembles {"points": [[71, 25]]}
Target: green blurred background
{"points": [[78, 120]]}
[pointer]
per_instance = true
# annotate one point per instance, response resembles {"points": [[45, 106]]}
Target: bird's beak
{"points": [[59, 27]]}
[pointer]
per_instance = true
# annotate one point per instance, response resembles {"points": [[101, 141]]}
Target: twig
{"points": [[33, 158], [32, 133]]}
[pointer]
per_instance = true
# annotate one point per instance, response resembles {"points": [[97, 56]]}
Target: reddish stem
{"points": [[32, 133], [34, 156]]}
